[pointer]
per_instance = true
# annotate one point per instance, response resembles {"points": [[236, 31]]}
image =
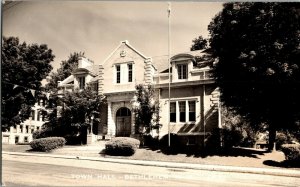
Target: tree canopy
{"points": [[65, 70], [258, 51], [199, 43], [145, 107], [26, 66], [73, 114]]}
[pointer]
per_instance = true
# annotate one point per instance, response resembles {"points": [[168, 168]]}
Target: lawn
{"points": [[244, 157]]}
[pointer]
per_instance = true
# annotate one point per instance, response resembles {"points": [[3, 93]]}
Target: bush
{"points": [[42, 133], [174, 148], [47, 144], [123, 146], [150, 141], [291, 152]]}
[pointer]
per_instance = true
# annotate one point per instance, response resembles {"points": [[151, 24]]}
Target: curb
{"points": [[236, 169]]}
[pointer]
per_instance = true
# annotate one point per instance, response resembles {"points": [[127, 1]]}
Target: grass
{"points": [[244, 157]]}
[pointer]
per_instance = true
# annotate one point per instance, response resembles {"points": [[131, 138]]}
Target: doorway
{"points": [[123, 122]]}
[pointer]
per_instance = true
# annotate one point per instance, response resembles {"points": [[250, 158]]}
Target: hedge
{"points": [[123, 146], [47, 144], [291, 152]]}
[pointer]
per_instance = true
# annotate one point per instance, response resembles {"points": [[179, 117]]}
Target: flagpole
{"points": [[169, 61]]}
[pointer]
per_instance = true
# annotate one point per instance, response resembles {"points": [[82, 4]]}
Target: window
{"points": [[182, 71], [173, 112], [26, 139], [27, 129], [81, 82], [118, 69], [129, 72], [38, 116], [192, 111], [17, 139], [182, 111], [32, 115], [96, 87]]}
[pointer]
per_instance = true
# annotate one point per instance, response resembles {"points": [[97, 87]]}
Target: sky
{"points": [[97, 27]]}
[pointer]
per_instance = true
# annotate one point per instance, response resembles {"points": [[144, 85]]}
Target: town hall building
{"points": [[194, 97]]}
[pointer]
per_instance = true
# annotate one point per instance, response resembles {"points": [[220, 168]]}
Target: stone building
{"points": [[194, 96]]}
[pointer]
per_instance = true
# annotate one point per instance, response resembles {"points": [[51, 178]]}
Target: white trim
{"points": [[128, 45]]}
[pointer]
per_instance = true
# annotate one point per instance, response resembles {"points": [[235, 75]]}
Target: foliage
{"points": [[77, 108], [64, 71], [124, 146], [257, 46], [47, 144], [24, 65], [283, 137], [41, 133], [174, 147], [146, 108], [199, 43], [291, 152], [236, 130]]}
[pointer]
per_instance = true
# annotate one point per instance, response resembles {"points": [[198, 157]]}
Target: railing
{"points": [[193, 76]]}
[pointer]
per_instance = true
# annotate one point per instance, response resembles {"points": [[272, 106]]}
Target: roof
{"points": [[94, 69], [125, 42], [202, 57], [68, 80]]}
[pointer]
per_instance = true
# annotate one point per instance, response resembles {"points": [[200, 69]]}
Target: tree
{"points": [[258, 48], [146, 108], [76, 110], [199, 43], [26, 66], [65, 70]]}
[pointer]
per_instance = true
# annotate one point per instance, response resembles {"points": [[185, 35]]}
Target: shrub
{"points": [[291, 152], [123, 146], [47, 144], [150, 141], [42, 133], [174, 147]]}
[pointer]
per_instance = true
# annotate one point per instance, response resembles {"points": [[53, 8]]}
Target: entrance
{"points": [[123, 119]]}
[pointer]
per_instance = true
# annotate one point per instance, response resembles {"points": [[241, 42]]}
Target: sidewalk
{"points": [[253, 170]]}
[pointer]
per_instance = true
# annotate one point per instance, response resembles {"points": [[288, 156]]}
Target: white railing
{"points": [[193, 76]]}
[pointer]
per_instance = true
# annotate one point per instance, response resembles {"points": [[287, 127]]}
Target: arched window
{"points": [[123, 112]]}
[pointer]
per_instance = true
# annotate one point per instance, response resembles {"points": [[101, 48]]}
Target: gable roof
{"points": [[125, 42]]}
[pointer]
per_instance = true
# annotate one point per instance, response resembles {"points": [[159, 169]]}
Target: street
{"points": [[46, 171]]}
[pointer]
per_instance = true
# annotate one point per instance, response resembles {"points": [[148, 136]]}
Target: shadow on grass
{"points": [[192, 152], [282, 164], [231, 152]]}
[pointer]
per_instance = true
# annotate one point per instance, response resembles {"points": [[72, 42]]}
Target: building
{"points": [[22, 133], [193, 101]]}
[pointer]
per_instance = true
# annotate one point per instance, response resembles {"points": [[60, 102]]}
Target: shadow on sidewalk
{"points": [[282, 164]]}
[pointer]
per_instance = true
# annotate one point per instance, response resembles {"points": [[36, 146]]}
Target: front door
{"points": [[123, 119]]}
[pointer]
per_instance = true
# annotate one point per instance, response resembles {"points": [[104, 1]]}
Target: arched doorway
{"points": [[123, 122]]}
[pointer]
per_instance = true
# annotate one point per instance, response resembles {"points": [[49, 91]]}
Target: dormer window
{"points": [[129, 72], [118, 70], [81, 82], [182, 71]]}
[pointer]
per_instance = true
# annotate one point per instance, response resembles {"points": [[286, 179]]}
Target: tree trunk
{"points": [[272, 138]]}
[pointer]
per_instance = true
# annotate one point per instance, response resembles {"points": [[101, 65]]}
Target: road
{"points": [[46, 171]]}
